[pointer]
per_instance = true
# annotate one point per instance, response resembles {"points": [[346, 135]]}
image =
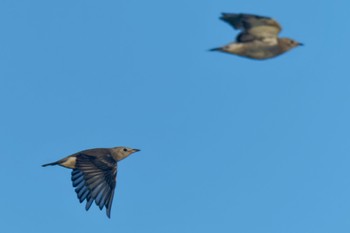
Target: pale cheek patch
{"points": [[69, 163]]}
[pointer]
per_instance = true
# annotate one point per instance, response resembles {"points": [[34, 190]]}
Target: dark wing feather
{"points": [[253, 27], [94, 179]]}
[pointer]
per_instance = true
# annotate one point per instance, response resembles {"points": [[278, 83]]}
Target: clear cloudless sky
{"points": [[228, 144]]}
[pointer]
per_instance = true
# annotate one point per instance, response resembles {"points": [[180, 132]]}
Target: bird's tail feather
{"points": [[50, 164], [216, 49]]}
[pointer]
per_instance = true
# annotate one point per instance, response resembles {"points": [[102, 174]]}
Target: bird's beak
{"points": [[135, 150], [300, 44]]}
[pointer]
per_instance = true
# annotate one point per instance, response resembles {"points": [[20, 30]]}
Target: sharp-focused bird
{"points": [[258, 38], [94, 174]]}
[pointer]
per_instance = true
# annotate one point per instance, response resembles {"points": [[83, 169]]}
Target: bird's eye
{"points": [[125, 150]]}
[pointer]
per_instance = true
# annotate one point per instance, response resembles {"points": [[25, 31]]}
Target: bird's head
{"points": [[122, 152], [287, 44]]}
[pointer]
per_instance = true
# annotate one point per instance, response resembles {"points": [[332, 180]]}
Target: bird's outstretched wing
{"points": [[253, 27], [94, 179]]}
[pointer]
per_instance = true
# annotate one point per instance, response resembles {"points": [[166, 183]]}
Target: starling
{"points": [[94, 174], [258, 38]]}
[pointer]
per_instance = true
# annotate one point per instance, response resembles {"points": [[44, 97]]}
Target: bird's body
{"points": [[258, 39], [94, 174]]}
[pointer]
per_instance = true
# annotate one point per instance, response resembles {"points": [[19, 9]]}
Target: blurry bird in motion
{"points": [[94, 174], [258, 38]]}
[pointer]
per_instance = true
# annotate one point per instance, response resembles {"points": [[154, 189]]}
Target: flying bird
{"points": [[258, 38], [94, 174]]}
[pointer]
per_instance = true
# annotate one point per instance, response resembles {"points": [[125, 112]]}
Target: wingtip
{"points": [[108, 213]]}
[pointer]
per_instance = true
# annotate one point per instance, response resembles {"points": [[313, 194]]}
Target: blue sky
{"points": [[228, 144]]}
